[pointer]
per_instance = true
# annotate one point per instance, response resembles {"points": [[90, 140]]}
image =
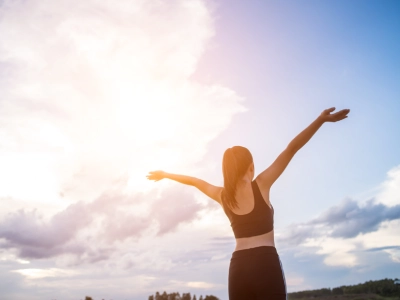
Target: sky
{"points": [[95, 95]]}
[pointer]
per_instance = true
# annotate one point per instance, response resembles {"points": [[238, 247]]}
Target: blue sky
{"points": [[96, 95], [292, 59]]}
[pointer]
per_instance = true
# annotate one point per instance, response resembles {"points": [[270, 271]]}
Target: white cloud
{"points": [[10, 256], [337, 251], [201, 284], [295, 282], [342, 233], [198, 285], [346, 252], [394, 254], [100, 91], [42, 273], [390, 188], [386, 236]]}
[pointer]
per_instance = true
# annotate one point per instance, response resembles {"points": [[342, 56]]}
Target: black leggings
{"points": [[256, 274]]}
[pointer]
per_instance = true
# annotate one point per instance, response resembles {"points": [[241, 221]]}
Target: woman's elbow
{"points": [[292, 148]]}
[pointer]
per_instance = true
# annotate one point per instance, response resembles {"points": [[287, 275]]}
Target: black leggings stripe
{"points": [[256, 274]]}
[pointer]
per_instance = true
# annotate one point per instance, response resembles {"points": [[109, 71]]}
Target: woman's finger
{"points": [[329, 110]]}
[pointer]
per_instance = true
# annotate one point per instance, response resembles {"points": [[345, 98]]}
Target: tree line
{"points": [[177, 296], [385, 288], [173, 296]]}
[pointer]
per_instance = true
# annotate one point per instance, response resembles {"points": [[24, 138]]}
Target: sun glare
{"points": [[120, 103], [42, 273]]}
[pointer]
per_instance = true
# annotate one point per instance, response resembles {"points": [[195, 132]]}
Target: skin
{"points": [[244, 193]]}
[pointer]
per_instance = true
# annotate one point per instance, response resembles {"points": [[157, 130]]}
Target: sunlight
{"points": [[42, 273], [145, 113], [115, 106], [29, 176]]}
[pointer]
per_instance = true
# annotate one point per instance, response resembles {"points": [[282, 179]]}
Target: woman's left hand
{"points": [[328, 116], [156, 175]]}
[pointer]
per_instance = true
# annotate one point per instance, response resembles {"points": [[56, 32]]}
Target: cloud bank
{"points": [[95, 95], [103, 222], [352, 226], [346, 220], [99, 91]]}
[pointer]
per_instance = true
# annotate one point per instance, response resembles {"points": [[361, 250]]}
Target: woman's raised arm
{"points": [[272, 173], [212, 191]]}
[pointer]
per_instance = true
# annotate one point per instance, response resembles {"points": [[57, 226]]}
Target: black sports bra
{"points": [[259, 221]]}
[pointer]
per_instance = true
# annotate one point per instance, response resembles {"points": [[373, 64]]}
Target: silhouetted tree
{"points": [[177, 296], [174, 296], [164, 296], [88, 298], [186, 296], [385, 287], [337, 291], [211, 297]]}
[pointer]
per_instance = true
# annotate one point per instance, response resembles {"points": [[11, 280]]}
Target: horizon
{"points": [[96, 95], [190, 297]]}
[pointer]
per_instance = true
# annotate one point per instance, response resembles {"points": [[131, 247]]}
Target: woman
{"points": [[255, 271]]}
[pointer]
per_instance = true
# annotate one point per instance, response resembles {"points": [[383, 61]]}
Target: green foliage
{"points": [[164, 296], [368, 290], [385, 288], [177, 296], [186, 296], [310, 294], [337, 291], [211, 297]]}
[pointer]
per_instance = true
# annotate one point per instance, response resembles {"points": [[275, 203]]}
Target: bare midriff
{"points": [[266, 239]]}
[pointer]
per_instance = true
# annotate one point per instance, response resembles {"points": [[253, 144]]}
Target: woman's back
{"points": [[245, 198], [252, 218]]}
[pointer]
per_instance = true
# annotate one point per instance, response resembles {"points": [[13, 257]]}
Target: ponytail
{"points": [[235, 163]]}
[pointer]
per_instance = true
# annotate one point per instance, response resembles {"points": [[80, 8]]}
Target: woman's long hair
{"points": [[235, 163]]}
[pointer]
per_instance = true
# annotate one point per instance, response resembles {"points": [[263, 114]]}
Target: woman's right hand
{"points": [[156, 175]]}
